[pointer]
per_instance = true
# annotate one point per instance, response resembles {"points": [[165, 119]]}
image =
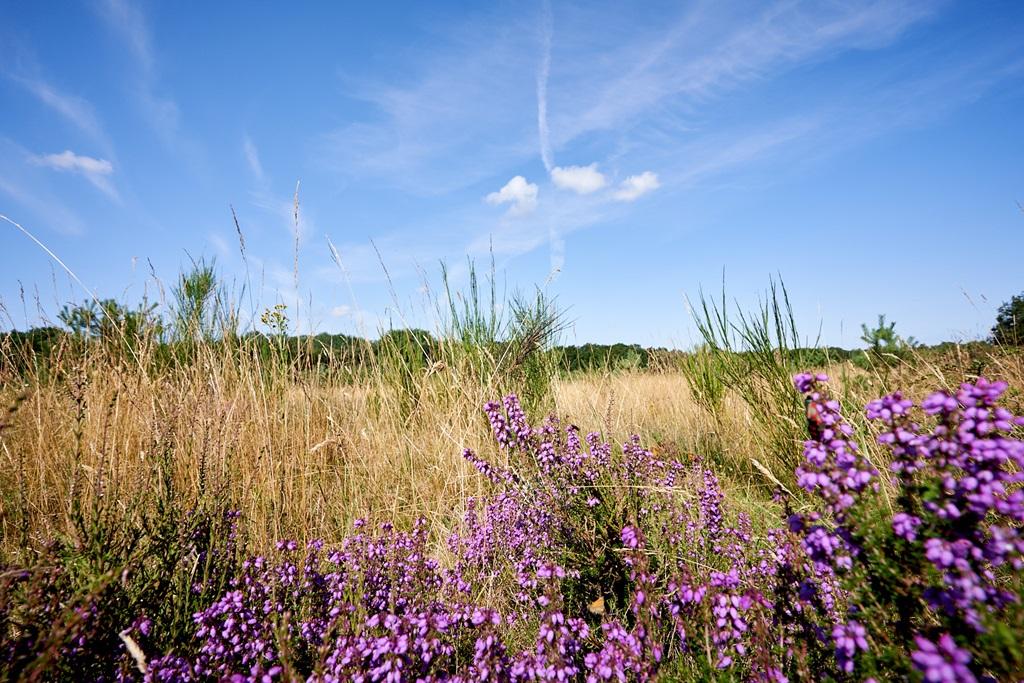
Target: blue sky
{"points": [[871, 154]]}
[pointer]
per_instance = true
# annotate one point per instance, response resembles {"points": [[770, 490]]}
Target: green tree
{"points": [[81, 319], [202, 311], [108, 319], [1009, 327], [884, 345]]}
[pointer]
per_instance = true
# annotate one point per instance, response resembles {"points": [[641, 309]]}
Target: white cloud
{"points": [[69, 161], [635, 186], [579, 179], [517, 192], [342, 311], [96, 171]]}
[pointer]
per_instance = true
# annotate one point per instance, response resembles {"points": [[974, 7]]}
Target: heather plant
{"points": [[79, 609], [933, 574], [585, 563]]}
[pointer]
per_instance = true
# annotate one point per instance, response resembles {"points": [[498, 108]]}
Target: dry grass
{"points": [[660, 407], [303, 456], [299, 456]]}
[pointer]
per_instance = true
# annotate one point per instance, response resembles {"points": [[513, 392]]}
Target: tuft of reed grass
{"points": [[754, 355]]}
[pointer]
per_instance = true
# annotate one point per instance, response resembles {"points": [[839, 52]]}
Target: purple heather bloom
{"points": [[942, 662], [630, 537], [905, 526], [848, 638], [805, 381]]}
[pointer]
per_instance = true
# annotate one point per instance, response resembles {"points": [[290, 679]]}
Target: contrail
{"points": [[542, 89]]}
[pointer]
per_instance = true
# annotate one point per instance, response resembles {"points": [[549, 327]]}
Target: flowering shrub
{"points": [[943, 559], [598, 564]]}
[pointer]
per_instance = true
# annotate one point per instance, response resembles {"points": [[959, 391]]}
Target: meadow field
{"points": [[383, 342], [464, 506]]}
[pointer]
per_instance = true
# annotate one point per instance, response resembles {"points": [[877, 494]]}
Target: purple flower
{"points": [[805, 381], [942, 662], [848, 638], [905, 526]]}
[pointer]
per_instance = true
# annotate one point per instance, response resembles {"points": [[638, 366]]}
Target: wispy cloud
{"points": [[632, 95], [130, 24], [477, 103], [76, 110], [708, 53], [556, 246], [252, 157], [520, 194], [96, 171], [867, 108], [128, 20], [452, 116], [52, 214], [220, 245], [288, 212], [579, 179], [19, 65]]}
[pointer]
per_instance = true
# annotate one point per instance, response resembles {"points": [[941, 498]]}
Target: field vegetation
{"points": [[181, 499]]}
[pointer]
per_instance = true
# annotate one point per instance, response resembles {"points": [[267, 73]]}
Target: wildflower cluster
{"points": [[960, 509], [834, 470], [583, 564]]}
